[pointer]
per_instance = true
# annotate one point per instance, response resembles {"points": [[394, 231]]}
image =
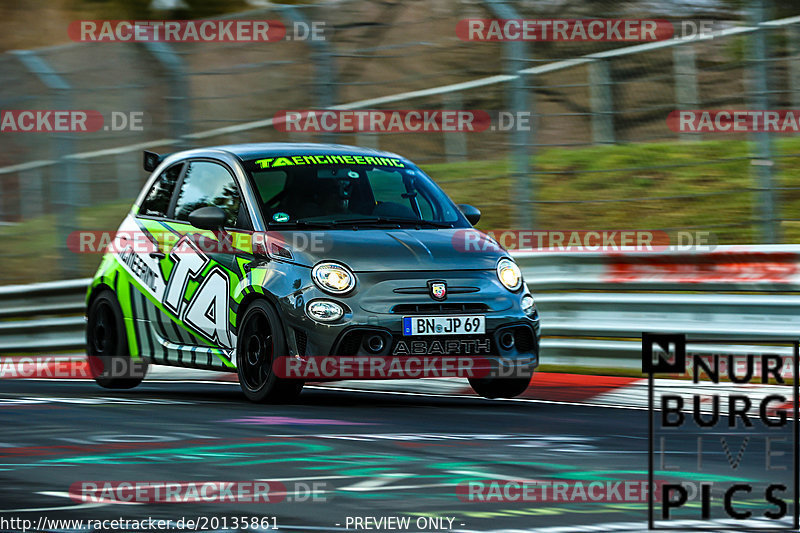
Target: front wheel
{"points": [[500, 387], [109, 360], [259, 342]]}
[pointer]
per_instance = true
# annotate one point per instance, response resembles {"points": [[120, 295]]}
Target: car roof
{"points": [[253, 150]]}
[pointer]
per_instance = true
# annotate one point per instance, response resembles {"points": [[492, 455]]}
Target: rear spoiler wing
{"points": [[152, 160]]}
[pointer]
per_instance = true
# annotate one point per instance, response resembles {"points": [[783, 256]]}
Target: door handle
{"points": [[158, 255]]}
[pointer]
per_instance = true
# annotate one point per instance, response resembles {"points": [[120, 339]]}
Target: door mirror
{"points": [[210, 217], [473, 214], [151, 160]]}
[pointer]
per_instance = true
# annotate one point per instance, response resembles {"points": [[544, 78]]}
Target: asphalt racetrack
{"points": [[366, 454]]}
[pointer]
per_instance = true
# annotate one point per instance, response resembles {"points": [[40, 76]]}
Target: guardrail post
{"points": [[762, 162], [602, 102], [685, 72], [523, 188], [455, 142], [31, 193], [521, 150], [180, 111], [129, 169], [793, 44], [65, 182], [324, 69]]}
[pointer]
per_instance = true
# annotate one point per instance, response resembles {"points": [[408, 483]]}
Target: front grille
{"points": [[350, 343], [441, 308], [426, 290]]}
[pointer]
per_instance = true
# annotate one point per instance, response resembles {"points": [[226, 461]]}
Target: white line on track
{"points": [[488, 475], [307, 478], [369, 485], [313, 528], [408, 487], [523, 400], [42, 509], [61, 494], [399, 393]]}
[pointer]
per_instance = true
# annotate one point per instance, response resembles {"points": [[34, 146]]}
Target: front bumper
{"points": [[375, 310]]}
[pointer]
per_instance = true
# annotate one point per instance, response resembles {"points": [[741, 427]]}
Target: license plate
{"points": [[444, 325]]}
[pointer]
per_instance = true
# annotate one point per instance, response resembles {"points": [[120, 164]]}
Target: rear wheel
{"points": [[259, 341], [109, 360], [500, 387]]}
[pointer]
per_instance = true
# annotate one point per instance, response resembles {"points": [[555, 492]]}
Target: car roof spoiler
{"points": [[152, 160]]}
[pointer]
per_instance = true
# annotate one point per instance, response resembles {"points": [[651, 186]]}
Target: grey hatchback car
{"points": [[261, 259]]}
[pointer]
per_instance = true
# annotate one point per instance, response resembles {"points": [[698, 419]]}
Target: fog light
{"points": [[507, 340], [375, 343], [324, 310], [527, 305]]}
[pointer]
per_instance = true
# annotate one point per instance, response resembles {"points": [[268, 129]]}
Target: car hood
{"points": [[370, 250]]}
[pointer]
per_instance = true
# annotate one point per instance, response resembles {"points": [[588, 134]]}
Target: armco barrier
{"points": [[42, 317], [593, 305]]}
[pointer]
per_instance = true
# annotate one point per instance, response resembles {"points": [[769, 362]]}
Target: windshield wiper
{"points": [[392, 221], [300, 224]]}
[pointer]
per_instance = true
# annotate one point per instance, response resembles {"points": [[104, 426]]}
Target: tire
{"points": [[259, 341], [500, 387], [109, 360]]}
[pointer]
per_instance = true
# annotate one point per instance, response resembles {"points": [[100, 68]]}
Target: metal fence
{"points": [[403, 56], [593, 306]]}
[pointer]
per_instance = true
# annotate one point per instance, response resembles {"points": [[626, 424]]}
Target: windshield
{"points": [[329, 191]]}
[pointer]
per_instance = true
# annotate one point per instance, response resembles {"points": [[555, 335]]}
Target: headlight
{"points": [[509, 274], [324, 310], [333, 277]]}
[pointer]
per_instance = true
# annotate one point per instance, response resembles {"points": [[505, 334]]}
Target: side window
{"points": [[156, 203], [206, 184]]}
